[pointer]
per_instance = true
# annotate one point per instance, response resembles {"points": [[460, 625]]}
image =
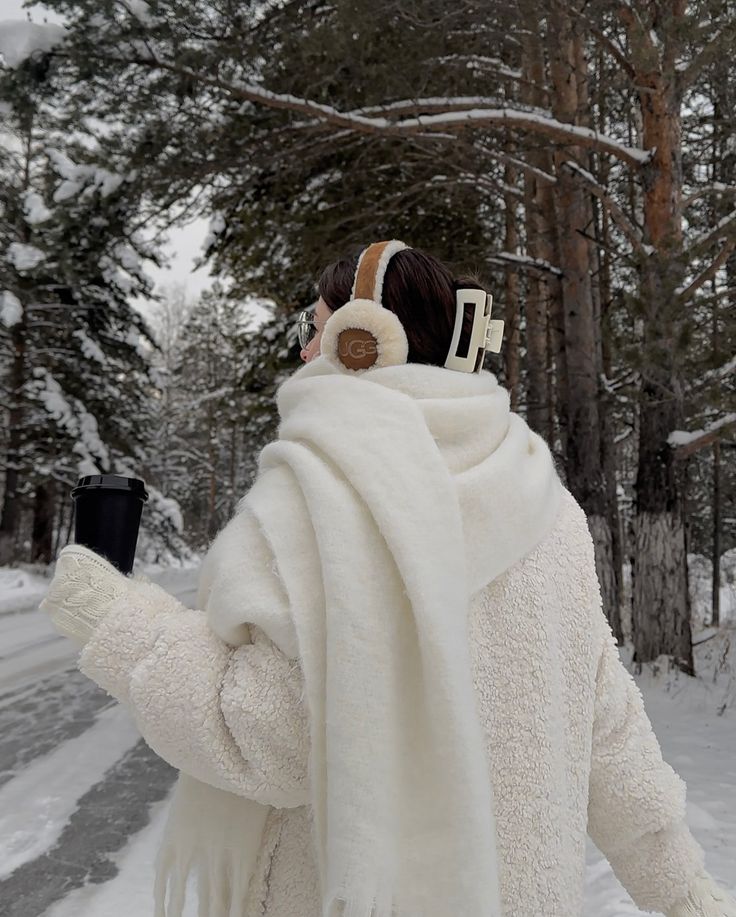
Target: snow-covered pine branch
{"points": [[70, 415], [24, 257], [724, 228], [482, 63], [442, 104], [686, 442], [535, 265], [139, 9], [716, 375], [447, 119], [81, 179], [612, 385], [11, 309]]}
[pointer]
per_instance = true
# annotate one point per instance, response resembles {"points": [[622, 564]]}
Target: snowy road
{"points": [[77, 782], [83, 799]]}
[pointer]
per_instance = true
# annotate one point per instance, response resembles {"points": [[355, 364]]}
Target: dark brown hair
{"points": [[420, 290]]}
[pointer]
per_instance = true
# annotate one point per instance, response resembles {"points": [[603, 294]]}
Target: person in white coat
{"points": [[398, 695]]}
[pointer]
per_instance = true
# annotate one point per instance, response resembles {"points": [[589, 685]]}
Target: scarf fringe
{"points": [[375, 902], [171, 877], [220, 889], [213, 838]]}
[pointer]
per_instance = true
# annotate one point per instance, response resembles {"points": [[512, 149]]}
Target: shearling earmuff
{"points": [[363, 334]]}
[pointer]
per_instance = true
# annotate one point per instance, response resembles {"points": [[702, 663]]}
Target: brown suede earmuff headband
{"points": [[365, 281]]}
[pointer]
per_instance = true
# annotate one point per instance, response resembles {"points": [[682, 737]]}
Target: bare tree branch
{"points": [[715, 188], [627, 227], [708, 272], [526, 167], [724, 229], [722, 43], [536, 266], [613, 49], [492, 65]]}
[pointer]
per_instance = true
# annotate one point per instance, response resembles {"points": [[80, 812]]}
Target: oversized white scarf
{"points": [[389, 498]]}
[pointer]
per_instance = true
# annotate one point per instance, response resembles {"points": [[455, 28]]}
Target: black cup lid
{"points": [[112, 482]]}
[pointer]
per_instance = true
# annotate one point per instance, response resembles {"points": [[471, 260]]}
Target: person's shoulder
{"points": [[571, 517], [555, 581], [574, 547], [568, 546]]}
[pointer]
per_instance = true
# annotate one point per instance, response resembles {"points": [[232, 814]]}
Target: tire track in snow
{"points": [[35, 718], [38, 802], [59, 708], [107, 815], [31, 645]]}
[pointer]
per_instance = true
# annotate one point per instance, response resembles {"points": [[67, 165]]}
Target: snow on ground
{"points": [[83, 801], [130, 892], [20, 590], [700, 745], [52, 787]]}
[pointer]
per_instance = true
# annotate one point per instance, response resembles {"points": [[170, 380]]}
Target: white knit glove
{"points": [[82, 589], [706, 899]]}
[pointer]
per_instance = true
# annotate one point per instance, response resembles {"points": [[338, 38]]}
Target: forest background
{"points": [[580, 156]]}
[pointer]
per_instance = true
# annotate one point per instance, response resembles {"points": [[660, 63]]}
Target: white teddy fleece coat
{"points": [[570, 748]]}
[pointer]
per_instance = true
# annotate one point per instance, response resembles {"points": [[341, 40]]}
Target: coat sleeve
{"points": [[636, 801], [230, 716]]}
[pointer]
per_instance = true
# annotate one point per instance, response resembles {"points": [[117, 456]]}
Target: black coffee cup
{"points": [[107, 516]]}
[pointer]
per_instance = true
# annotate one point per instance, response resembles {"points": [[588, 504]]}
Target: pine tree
{"points": [[76, 370], [214, 404]]}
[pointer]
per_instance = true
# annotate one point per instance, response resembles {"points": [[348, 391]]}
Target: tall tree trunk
{"points": [[540, 401], [11, 508], [716, 582], [604, 527], [538, 360], [72, 518], [568, 69], [61, 510], [661, 601], [43, 522], [10, 515], [511, 289], [609, 556], [612, 587], [232, 498], [723, 170], [550, 251], [211, 526]]}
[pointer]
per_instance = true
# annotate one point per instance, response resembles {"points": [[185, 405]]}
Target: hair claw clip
{"points": [[486, 333]]}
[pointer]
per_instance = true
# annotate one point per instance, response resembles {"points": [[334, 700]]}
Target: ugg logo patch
{"points": [[357, 348]]}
